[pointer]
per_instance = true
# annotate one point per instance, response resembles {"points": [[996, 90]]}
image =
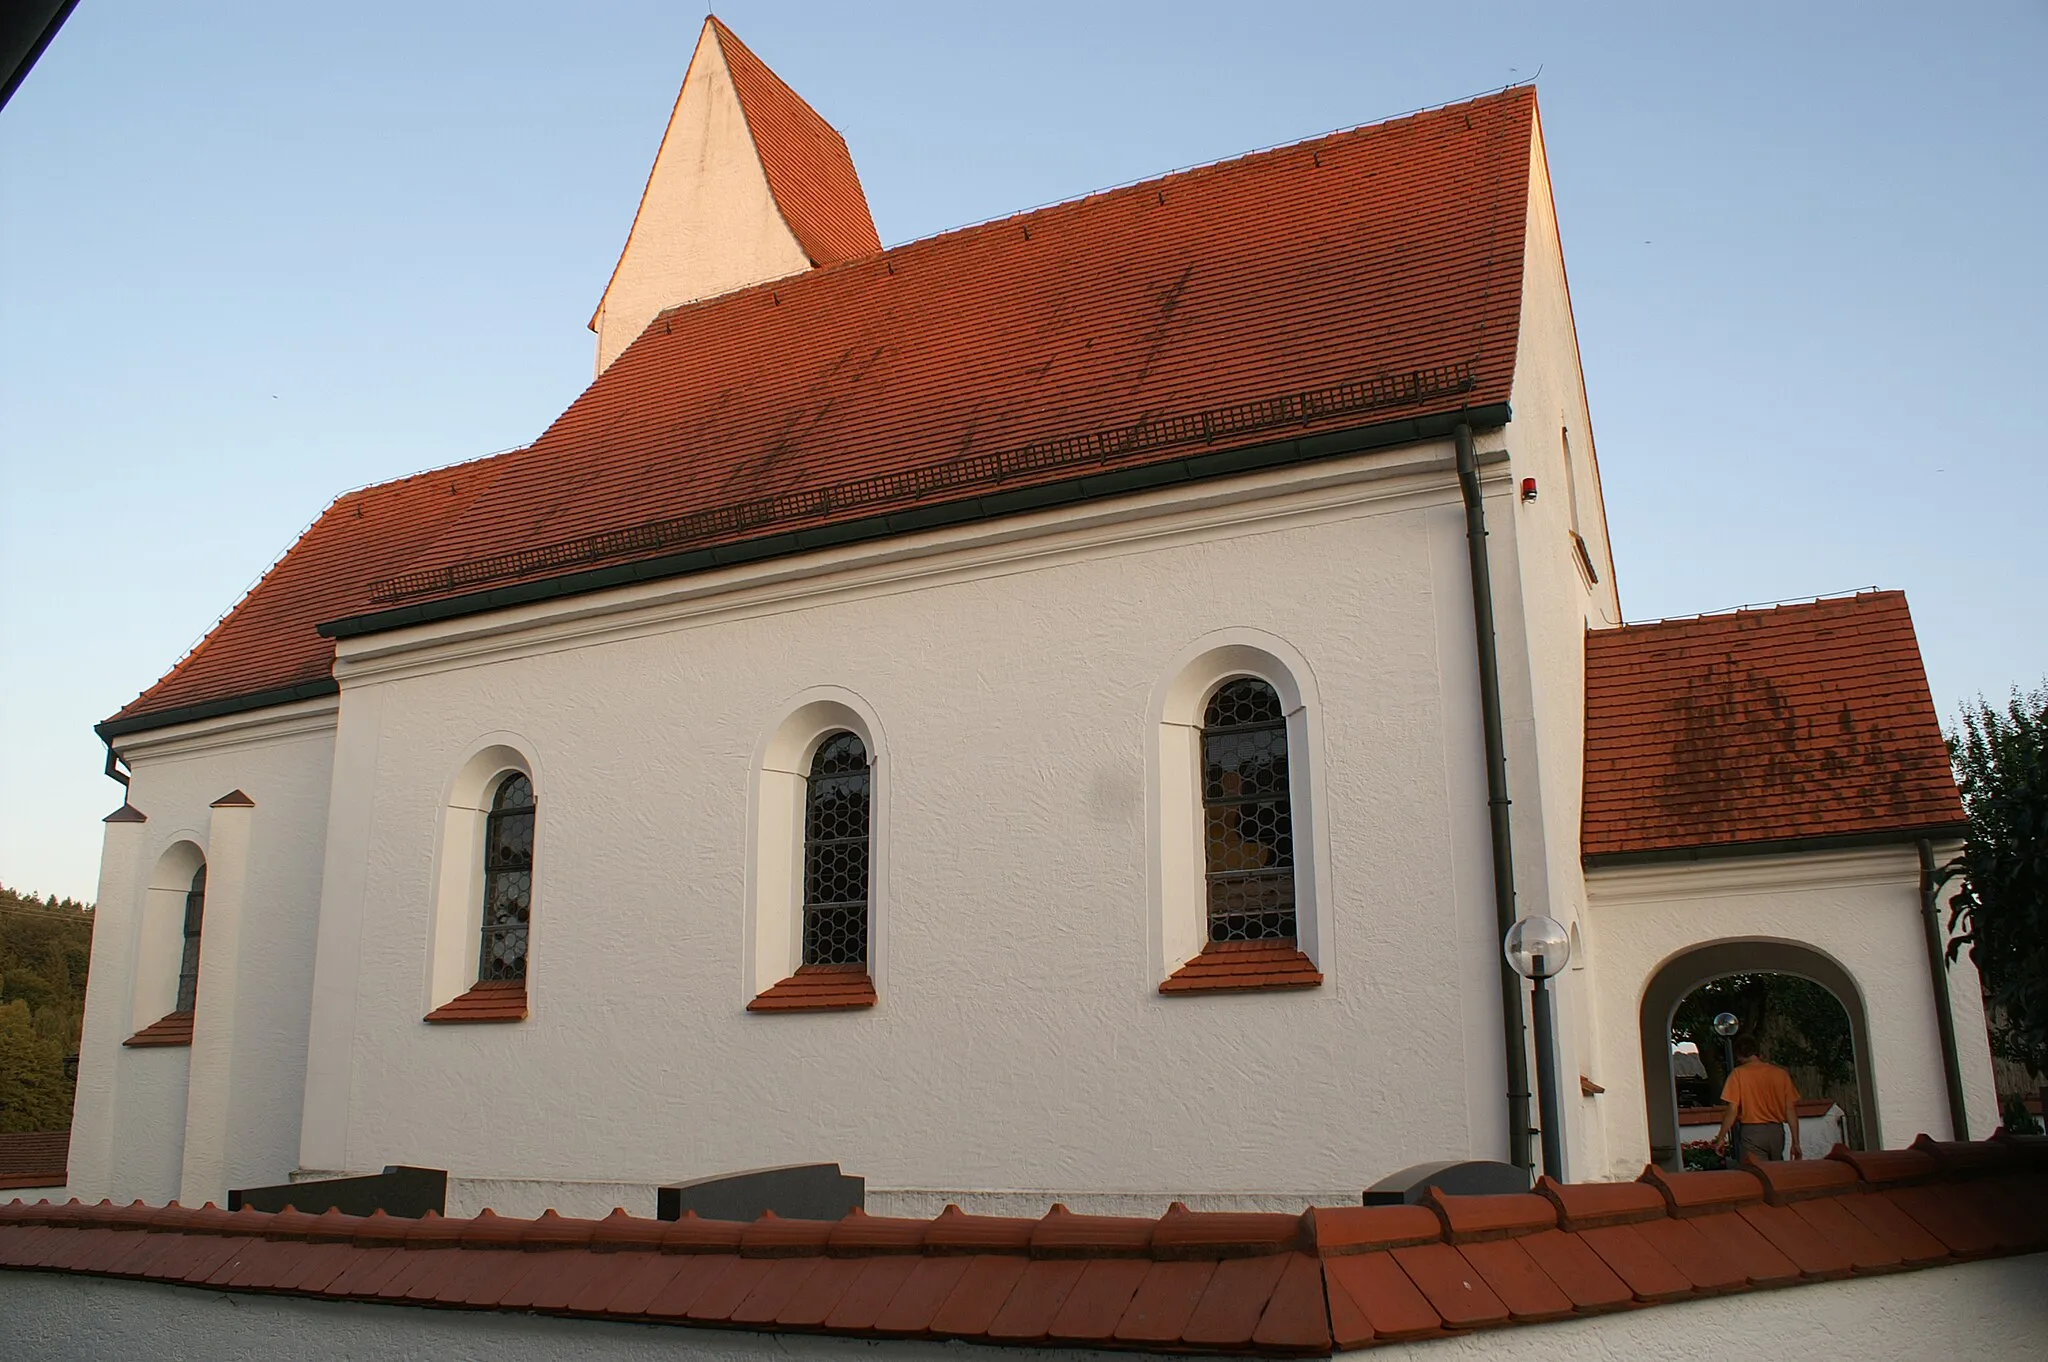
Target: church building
{"points": [[1064, 709]]}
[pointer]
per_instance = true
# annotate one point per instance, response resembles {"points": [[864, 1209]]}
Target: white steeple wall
{"points": [[708, 223]]}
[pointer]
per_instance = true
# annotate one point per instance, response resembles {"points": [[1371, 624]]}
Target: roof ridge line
{"points": [[1104, 191], [1759, 607]]}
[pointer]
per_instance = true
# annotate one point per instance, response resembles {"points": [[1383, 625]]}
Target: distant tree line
{"points": [[45, 947]]}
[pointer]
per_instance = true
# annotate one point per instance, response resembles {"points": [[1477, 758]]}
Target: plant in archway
{"points": [[2000, 913], [1803, 1026]]}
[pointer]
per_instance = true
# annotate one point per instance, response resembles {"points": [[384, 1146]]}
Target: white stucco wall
{"points": [[1993, 1311], [134, 1110], [707, 222], [1020, 1043], [1545, 603], [1859, 908]]}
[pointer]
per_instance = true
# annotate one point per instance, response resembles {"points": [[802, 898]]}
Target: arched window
{"points": [[836, 830], [1247, 826], [508, 880], [188, 962]]}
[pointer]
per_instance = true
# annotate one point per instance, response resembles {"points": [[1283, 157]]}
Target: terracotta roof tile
{"points": [[1375, 1289], [1164, 1302], [1276, 1286], [1896, 1230], [979, 1297], [1524, 1289], [810, 171], [1453, 1287], [1648, 1274], [1038, 1297], [1801, 721], [1793, 1236], [1363, 277], [1577, 1270], [1704, 1263]]}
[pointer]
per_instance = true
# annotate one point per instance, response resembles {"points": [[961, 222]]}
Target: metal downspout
{"points": [[1496, 799], [1937, 973]]}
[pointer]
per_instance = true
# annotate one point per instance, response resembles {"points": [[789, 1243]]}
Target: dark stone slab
{"points": [[799, 1191], [398, 1190], [1457, 1177]]}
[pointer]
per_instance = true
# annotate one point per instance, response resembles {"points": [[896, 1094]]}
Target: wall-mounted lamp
{"points": [[1528, 489]]}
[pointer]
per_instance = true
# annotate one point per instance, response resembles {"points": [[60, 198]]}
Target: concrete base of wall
{"points": [[1987, 1312], [530, 1196]]}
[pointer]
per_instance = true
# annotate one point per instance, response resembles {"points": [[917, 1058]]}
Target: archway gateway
{"points": [[1701, 965]]}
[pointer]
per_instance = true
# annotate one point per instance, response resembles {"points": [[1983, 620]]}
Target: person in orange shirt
{"points": [[1761, 1097]]}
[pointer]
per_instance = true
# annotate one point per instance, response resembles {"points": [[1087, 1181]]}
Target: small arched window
{"points": [[836, 830], [188, 962], [1247, 826], [508, 880]]}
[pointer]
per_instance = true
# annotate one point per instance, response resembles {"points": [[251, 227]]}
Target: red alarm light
{"points": [[1528, 489]]}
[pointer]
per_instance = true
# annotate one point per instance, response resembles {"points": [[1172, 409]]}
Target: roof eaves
{"points": [[969, 510], [109, 729], [1775, 846]]}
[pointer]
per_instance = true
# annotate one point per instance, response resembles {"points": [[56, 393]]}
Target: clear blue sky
{"points": [[257, 254]]}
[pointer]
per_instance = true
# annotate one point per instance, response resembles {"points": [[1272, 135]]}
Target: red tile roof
{"points": [[1804, 721], [810, 171], [1368, 277], [1273, 1285], [35, 1158]]}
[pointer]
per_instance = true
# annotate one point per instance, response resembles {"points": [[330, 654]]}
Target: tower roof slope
{"points": [[1762, 726], [1368, 276], [810, 171]]}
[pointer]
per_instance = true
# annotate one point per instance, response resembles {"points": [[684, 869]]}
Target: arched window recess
{"points": [[1246, 830], [505, 907], [175, 1026], [837, 884]]}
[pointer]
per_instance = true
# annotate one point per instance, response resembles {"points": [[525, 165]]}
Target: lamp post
{"points": [[1539, 947], [1726, 1024]]}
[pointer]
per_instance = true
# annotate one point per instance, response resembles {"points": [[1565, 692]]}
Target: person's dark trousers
{"points": [[1762, 1141]]}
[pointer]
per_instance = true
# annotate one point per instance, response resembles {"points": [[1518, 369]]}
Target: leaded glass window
{"points": [[508, 880], [1247, 829], [836, 854], [188, 963]]}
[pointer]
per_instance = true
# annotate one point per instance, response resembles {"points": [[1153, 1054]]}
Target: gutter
{"points": [[1931, 881], [109, 729], [1514, 1050]]}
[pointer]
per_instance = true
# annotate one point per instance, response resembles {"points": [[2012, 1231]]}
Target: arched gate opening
{"points": [[1683, 973]]}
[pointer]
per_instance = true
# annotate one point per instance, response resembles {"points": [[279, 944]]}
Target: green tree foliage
{"points": [[2000, 913], [1802, 1026], [45, 946]]}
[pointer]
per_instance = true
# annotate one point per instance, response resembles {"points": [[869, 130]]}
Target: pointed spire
{"points": [[749, 185]]}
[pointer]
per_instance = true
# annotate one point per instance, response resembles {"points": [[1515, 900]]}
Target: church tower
{"points": [[750, 184]]}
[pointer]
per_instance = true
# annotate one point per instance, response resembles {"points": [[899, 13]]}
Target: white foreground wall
{"points": [[1989, 1312], [1020, 1043], [1859, 908], [191, 1122]]}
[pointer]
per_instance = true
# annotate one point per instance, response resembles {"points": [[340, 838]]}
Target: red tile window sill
{"points": [[173, 1028], [819, 988], [501, 1000], [1239, 966]]}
